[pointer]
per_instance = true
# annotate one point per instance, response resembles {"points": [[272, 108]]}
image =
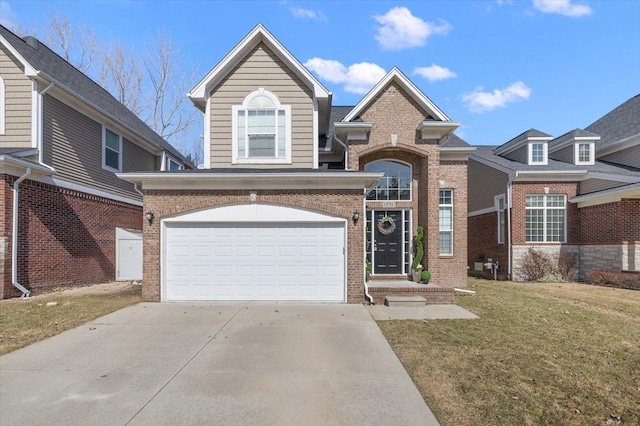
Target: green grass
{"points": [[553, 354], [23, 322]]}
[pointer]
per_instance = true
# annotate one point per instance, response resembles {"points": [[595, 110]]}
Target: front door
{"points": [[387, 242]]}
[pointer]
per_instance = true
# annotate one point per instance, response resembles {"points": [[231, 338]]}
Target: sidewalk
{"points": [[428, 312]]}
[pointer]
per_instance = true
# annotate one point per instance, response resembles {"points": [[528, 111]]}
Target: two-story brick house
{"points": [[297, 193], [579, 192], [63, 138]]}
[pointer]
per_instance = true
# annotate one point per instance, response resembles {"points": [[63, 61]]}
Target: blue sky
{"points": [[498, 67]]}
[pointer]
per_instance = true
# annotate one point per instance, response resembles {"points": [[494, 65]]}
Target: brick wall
{"points": [[483, 244], [394, 112], [339, 203], [65, 237], [600, 224], [518, 212]]}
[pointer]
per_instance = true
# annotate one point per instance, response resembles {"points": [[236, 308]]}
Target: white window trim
{"points": [[452, 221], [234, 129], [496, 201], [545, 156], [104, 147], [410, 177], [544, 219], [592, 153], [3, 115]]}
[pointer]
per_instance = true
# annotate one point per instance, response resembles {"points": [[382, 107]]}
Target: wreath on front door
{"points": [[386, 225]]}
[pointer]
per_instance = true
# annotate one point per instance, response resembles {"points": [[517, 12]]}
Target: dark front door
{"points": [[387, 242]]}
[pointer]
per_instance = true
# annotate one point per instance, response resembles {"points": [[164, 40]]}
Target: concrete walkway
{"points": [[213, 363], [429, 312]]}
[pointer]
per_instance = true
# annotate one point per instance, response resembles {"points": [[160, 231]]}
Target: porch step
{"points": [[405, 301]]}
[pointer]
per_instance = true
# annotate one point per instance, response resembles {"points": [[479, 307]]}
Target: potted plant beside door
{"points": [[416, 266]]}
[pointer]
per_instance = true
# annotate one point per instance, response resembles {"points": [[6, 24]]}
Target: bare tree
{"points": [[77, 45], [122, 75], [169, 112]]}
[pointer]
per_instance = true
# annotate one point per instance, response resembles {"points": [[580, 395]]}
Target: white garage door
{"points": [[255, 262]]}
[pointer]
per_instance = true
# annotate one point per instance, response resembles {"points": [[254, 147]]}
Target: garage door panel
{"points": [[254, 262]]}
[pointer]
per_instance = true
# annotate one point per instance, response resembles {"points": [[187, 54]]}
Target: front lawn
{"points": [[554, 354], [23, 322]]}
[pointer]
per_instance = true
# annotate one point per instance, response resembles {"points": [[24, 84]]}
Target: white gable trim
{"points": [[397, 75], [28, 69], [239, 52]]}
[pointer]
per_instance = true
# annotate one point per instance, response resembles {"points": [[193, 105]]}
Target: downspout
{"points": [[509, 230], [364, 238], [14, 236], [135, 188], [346, 152], [40, 120]]}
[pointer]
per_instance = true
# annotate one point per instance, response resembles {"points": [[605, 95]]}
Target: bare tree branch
{"points": [[121, 74], [77, 46]]}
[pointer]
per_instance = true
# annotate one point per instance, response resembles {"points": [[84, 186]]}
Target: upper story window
{"points": [[538, 153], [171, 164], [111, 151], [394, 185], [585, 153], [446, 222], [2, 106], [261, 129], [545, 218]]}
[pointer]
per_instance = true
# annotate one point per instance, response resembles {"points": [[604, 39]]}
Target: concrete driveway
{"points": [[213, 363]]}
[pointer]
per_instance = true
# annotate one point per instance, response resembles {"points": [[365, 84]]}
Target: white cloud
{"points": [[434, 72], [302, 13], [356, 78], [480, 101], [563, 7], [399, 29]]}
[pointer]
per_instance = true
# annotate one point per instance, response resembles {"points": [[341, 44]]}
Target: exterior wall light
{"points": [[150, 217], [355, 217]]}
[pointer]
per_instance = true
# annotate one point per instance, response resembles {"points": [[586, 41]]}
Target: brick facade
{"points": [[338, 203], [65, 237], [483, 244], [396, 115]]}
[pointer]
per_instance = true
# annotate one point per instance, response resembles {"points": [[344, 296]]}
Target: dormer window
{"points": [[585, 154], [538, 153], [261, 129]]}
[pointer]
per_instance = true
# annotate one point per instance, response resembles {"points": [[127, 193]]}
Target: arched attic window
{"points": [[396, 182], [261, 129]]}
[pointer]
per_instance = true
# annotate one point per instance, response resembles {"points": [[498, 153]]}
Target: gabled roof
{"points": [[621, 123], [43, 63], [396, 75], [258, 35], [453, 141], [521, 139], [571, 136]]}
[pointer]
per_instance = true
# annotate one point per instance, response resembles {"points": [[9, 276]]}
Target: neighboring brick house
{"points": [[62, 140], [579, 192], [297, 194]]}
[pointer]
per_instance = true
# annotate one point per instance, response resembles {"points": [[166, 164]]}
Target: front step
{"points": [[405, 301]]}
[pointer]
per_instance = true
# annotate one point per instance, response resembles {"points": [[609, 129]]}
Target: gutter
{"points": [[14, 236], [346, 152]]}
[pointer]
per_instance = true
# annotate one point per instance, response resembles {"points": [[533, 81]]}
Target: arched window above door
{"points": [[394, 185]]}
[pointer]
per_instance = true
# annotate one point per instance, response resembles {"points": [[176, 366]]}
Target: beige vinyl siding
{"points": [[519, 155], [484, 183], [17, 102], [592, 185], [565, 154], [73, 146], [262, 69], [628, 157]]}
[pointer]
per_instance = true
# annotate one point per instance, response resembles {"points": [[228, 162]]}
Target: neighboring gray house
{"points": [[63, 138], [579, 192]]}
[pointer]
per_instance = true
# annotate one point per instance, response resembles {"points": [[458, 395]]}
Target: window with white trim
{"points": [[545, 218], [446, 222], [501, 218], [394, 185], [172, 164], [261, 129], [537, 153], [585, 153], [111, 151], [2, 105]]}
